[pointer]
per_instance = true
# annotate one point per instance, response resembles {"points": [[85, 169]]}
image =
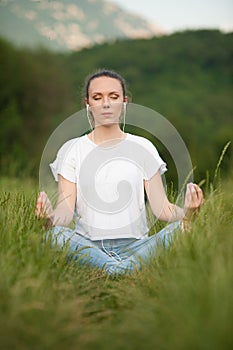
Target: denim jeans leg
{"points": [[86, 252], [144, 248]]}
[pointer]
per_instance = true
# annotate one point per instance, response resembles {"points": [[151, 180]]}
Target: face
{"points": [[105, 100]]}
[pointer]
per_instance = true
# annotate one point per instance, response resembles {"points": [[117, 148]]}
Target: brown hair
{"points": [[104, 73]]}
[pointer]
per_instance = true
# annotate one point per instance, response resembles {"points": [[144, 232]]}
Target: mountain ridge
{"points": [[69, 24]]}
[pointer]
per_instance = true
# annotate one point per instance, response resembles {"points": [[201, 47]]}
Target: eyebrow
{"points": [[100, 93]]}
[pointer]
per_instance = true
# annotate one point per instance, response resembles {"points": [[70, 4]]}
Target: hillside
{"points": [[69, 24]]}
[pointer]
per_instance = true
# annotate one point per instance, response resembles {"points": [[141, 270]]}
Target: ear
{"points": [[126, 100], [86, 101]]}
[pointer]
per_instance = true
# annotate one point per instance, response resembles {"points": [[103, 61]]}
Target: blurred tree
{"points": [[187, 77], [35, 94]]}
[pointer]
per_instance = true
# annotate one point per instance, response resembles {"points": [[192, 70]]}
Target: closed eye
{"points": [[96, 97], [114, 96]]}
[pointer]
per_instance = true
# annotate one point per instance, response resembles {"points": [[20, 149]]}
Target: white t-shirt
{"points": [[110, 184]]}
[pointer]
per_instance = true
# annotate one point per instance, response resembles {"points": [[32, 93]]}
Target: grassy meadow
{"points": [[182, 299]]}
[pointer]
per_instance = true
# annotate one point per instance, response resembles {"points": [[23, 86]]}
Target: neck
{"points": [[105, 133]]}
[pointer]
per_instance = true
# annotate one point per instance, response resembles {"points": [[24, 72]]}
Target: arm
{"points": [[64, 211], [162, 208]]}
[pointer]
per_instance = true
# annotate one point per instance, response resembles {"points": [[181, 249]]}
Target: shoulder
{"points": [[68, 146], [142, 141], [151, 159]]}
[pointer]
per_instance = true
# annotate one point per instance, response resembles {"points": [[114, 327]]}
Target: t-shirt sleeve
{"points": [[153, 162], [65, 162]]}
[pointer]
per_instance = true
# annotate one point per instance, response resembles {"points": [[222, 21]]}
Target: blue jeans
{"points": [[115, 256]]}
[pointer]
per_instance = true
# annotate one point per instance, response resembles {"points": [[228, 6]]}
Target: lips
{"points": [[107, 114]]}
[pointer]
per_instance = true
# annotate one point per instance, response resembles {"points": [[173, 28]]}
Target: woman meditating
{"points": [[102, 177]]}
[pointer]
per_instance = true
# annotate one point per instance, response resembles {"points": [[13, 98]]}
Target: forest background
{"points": [[186, 77]]}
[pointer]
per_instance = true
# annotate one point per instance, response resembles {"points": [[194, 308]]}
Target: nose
{"points": [[106, 103]]}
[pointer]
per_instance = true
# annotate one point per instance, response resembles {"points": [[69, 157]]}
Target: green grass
{"points": [[181, 300]]}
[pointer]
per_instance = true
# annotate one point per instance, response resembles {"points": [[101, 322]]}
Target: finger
{"points": [[192, 200], [199, 194], [198, 201], [188, 196], [191, 191], [40, 205], [44, 200]]}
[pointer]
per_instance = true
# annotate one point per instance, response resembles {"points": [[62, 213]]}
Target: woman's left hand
{"points": [[193, 198]]}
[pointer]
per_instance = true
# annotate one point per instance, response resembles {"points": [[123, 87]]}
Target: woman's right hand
{"points": [[44, 208]]}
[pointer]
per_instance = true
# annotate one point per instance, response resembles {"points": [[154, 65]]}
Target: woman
{"points": [[101, 177]]}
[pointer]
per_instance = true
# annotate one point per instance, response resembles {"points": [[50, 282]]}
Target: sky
{"points": [[175, 15]]}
